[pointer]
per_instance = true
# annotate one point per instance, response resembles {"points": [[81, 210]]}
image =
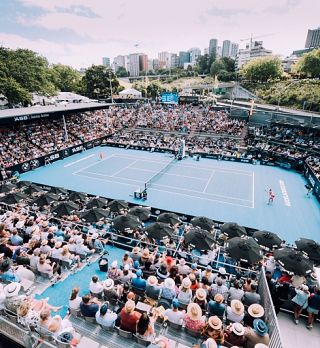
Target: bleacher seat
{"points": [[90, 319], [193, 333], [142, 341], [175, 325], [125, 334]]}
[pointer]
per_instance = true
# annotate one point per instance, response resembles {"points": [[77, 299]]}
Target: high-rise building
{"points": [[226, 48], [143, 62], [213, 46], [164, 60], [253, 51], [206, 50], [184, 57], [234, 50], [174, 60], [195, 52], [106, 61], [134, 64], [119, 61], [155, 63], [313, 38]]}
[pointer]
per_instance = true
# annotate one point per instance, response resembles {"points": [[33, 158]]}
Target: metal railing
{"points": [[269, 312]]}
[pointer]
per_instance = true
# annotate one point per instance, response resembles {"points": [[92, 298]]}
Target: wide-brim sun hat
{"points": [[182, 262], [215, 323], [222, 271], [237, 329], [218, 298], [136, 250], [186, 283], [194, 311], [169, 283], [109, 284], [201, 294], [260, 327], [114, 264], [95, 235], [152, 281], [237, 307], [256, 311], [12, 289]]}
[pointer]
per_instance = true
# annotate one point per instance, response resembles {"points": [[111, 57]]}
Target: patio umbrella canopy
{"points": [[6, 188], [310, 247], [141, 212], [59, 191], [117, 205], [199, 239], [267, 239], [97, 202], [78, 196], [46, 199], [244, 249], [159, 230], [203, 222], [95, 215], [64, 208], [32, 189], [169, 218], [232, 229], [294, 261], [12, 198], [123, 222]]}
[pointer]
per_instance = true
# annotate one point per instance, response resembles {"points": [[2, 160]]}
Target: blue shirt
{"points": [[139, 283], [16, 240], [89, 310], [107, 320], [9, 276]]}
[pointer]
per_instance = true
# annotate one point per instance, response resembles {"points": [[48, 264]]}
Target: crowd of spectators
{"points": [[314, 163]]}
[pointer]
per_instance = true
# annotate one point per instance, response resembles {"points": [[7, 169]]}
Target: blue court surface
{"points": [[224, 191]]}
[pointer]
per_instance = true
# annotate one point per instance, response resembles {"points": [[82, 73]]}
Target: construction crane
{"points": [[251, 38]]}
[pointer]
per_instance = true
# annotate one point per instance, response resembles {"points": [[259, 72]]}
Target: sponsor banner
{"points": [[89, 145], [313, 181]]}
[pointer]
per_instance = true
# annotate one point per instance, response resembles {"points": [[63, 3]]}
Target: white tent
{"points": [[130, 93]]}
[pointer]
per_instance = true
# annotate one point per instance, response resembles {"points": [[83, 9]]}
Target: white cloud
{"points": [[170, 25]]}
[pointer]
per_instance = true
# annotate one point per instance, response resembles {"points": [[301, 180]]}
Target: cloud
{"points": [[78, 10], [227, 12], [283, 7]]}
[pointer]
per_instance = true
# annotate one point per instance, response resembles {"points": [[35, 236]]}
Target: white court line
{"points": [[211, 194], [143, 159], [244, 172], [93, 164], [182, 176], [202, 198], [176, 193], [109, 176], [208, 182], [124, 168], [105, 180], [79, 160], [252, 189]]}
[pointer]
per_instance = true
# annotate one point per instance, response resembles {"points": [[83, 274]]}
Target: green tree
{"points": [[217, 67], [65, 78], [309, 64], [262, 69], [229, 64], [15, 93], [97, 81], [122, 72]]}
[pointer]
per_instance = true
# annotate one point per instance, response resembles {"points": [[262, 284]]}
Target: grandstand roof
{"points": [[20, 114]]}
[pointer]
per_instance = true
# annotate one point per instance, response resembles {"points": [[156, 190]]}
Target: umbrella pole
{"points": [[178, 246], [217, 262]]}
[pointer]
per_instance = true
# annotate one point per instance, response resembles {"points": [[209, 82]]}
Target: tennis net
{"points": [[156, 176]]}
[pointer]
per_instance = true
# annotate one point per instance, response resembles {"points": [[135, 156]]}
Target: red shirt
{"points": [[128, 321]]}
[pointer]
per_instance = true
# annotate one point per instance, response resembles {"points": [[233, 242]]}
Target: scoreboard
{"points": [[169, 98]]}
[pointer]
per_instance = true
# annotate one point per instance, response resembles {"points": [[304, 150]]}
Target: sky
{"points": [[80, 32]]}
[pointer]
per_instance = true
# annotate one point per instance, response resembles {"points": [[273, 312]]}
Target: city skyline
{"points": [[80, 32]]}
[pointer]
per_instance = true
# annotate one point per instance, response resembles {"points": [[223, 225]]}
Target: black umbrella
{"points": [[310, 247], [64, 208], [141, 212], [267, 239], [12, 198], [77, 196], [232, 229], [199, 239], [117, 205], [94, 215], [169, 218], [97, 202], [244, 249], [159, 230], [123, 222], [46, 199], [203, 222], [59, 191], [23, 183], [32, 189], [6, 188], [294, 261]]}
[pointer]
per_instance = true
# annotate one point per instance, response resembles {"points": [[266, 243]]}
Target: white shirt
{"points": [[75, 304], [234, 317], [95, 288], [174, 317], [56, 253]]}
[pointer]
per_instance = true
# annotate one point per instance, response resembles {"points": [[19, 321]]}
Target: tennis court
{"points": [[224, 191]]}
